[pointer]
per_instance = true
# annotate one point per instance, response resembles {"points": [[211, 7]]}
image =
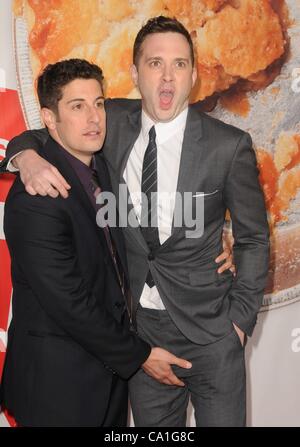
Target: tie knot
{"points": [[152, 134]]}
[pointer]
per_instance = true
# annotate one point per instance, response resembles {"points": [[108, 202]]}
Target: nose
{"points": [[93, 115], [168, 73]]}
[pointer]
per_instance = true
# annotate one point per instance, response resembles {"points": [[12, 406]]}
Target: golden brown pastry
{"points": [[234, 39]]}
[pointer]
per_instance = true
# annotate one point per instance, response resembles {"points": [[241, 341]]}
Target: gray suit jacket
{"points": [[217, 160]]}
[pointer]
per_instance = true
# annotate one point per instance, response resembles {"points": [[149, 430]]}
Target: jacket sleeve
{"points": [[39, 236], [245, 201], [30, 139]]}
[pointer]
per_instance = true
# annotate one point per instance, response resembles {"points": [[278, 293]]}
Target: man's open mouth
{"points": [[165, 98]]}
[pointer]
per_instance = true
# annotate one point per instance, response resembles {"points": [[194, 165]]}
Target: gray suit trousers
{"points": [[216, 383]]}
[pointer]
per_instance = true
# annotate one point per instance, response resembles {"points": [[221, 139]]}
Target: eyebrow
{"points": [[177, 59], [153, 57], [185, 59], [82, 100]]}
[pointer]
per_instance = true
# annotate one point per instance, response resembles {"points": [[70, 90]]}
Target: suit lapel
{"points": [[192, 154], [116, 233], [127, 134], [119, 142]]}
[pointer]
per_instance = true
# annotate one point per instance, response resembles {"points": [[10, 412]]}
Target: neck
{"points": [[85, 158]]}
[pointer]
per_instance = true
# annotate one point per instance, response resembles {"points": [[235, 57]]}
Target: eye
{"points": [[181, 64], [155, 63], [77, 106], [100, 105]]}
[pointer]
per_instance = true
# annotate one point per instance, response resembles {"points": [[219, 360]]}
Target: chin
{"points": [[93, 147], [165, 115]]}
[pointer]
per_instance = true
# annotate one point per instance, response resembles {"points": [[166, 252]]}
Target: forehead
{"points": [[82, 88], [166, 44]]}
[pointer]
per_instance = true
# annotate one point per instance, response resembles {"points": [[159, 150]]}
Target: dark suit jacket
{"points": [[69, 338], [217, 160]]}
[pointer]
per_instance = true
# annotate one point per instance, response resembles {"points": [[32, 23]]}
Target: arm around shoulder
{"points": [[30, 139]]}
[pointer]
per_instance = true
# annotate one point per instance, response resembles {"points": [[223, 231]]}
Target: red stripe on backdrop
{"points": [[5, 285], [10, 419], [12, 122], [5, 294], [2, 357], [6, 181]]}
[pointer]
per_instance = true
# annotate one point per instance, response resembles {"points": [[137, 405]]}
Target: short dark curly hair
{"points": [[56, 76], [160, 24]]}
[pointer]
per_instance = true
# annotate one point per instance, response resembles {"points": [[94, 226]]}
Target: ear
{"points": [[134, 75], [49, 118], [194, 76]]}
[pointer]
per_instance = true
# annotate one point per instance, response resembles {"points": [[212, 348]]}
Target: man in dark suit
{"points": [[70, 345], [158, 145]]}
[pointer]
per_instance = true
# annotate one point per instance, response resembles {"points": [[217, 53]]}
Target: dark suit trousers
{"points": [[215, 383], [117, 410]]}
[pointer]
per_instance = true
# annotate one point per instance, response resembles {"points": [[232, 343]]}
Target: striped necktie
{"points": [[149, 219]]}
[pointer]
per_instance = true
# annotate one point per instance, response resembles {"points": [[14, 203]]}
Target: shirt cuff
{"points": [[10, 167]]}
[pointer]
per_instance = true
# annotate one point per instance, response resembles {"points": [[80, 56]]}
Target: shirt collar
{"points": [[83, 172], [164, 131], [78, 164]]}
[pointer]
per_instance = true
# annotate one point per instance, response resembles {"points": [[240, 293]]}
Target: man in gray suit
{"points": [[163, 145]]}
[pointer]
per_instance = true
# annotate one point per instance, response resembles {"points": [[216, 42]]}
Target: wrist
{"points": [[19, 159], [150, 356]]}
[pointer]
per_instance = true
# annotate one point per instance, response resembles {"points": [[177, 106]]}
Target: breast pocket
{"points": [[201, 208], [206, 195]]}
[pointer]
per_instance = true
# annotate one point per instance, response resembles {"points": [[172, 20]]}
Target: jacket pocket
{"points": [[209, 277], [43, 334], [202, 278]]}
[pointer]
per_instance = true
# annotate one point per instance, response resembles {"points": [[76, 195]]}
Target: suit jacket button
{"points": [[151, 257], [118, 305]]}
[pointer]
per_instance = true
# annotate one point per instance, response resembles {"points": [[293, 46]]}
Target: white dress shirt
{"points": [[169, 137]]}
